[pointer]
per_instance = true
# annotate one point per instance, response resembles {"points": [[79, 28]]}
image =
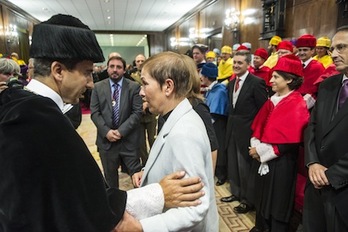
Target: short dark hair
{"points": [[43, 66], [296, 80], [201, 47], [246, 54]]}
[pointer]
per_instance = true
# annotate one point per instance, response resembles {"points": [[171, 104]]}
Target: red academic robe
{"points": [[329, 71], [311, 73], [281, 126], [263, 72], [283, 123]]}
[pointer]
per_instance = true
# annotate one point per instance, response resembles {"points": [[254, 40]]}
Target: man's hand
{"points": [[113, 135], [316, 174], [128, 223], [253, 153], [180, 192], [136, 179]]}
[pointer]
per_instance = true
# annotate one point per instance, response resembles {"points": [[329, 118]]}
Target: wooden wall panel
{"points": [[214, 15], [24, 29], [2, 33], [317, 17], [157, 42], [251, 24]]}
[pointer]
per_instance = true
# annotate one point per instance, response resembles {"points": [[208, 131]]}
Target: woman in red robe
{"points": [[277, 134]]}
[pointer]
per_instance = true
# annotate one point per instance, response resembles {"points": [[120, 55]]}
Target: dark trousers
{"points": [[220, 131], [271, 224], [110, 162], [239, 167], [221, 172], [319, 213], [112, 158]]}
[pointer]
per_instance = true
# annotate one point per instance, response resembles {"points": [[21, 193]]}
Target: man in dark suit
{"points": [[326, 193], [247, 93], [117, 140]]}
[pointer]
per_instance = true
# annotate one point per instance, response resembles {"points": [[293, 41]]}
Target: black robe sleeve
{"points": [[49, 179]]}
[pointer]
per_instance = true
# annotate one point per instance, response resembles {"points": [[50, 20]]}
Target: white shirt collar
{"points": [[211, 85], [242, 78], [45, 91], [120, 82], [307, 62], [276, 98]]}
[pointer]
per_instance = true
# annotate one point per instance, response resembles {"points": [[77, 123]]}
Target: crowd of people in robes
{"points": [[257, 119]]}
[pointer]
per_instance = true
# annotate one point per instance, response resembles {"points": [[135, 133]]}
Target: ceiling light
{"points": [[109, 17]]}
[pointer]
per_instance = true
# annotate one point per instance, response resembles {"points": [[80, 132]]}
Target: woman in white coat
{"points": [[182, 143]]}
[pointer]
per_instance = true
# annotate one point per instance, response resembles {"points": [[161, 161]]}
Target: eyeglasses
{"points": [[339, 48]]}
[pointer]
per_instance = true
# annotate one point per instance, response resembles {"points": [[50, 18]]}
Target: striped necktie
{"points": [[115, 105]]}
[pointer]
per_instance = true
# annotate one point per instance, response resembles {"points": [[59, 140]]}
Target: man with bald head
{"points": [[135, 74]]}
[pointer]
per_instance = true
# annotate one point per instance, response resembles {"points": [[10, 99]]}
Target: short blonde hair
{"points": [[170, 65]]}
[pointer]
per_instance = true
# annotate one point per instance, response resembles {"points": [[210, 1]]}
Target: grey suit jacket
{"points": [[130, 113], [183, 144]]}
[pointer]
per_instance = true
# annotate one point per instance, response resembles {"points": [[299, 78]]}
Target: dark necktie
{"points": [[343, 93], [115, 105], [236, 85]]}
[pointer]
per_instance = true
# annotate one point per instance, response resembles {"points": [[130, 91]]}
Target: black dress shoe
{"points": [[229, 199], [220, 182], [254, 229], [242, 208]]}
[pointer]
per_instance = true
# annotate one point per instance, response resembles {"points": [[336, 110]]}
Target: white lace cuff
{"points": [[265, 152], [310, 101], [145, 202], [254, 142]]}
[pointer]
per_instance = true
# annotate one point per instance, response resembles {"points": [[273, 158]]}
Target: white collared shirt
{"points": [[241, 82], [45, 91], [344, 78], [211, 85], [307, 62]]}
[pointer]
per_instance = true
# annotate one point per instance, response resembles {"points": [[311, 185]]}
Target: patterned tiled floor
{"points": [[229, 221]]}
